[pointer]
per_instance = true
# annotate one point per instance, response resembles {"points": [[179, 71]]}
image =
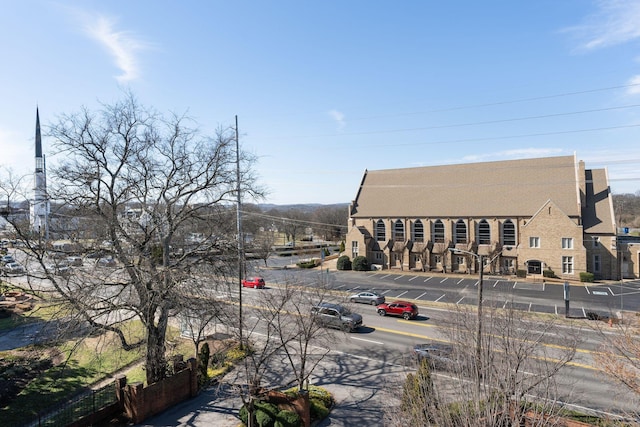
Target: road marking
{"points": [[443, 280], [459, 301], [428, 278], [612, 294], [414, 277], [440, 298], [459, 281], [398, 296], [496, 282], [388, 290], [530, 304], [601, 292], [587, 289], [420, 296], [366, 340], [385, 276], [341, 286], [399, 277]]}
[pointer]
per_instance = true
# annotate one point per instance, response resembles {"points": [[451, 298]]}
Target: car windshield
{"points": [[345, 311]]}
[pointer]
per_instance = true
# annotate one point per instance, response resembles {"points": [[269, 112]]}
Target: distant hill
{"points": [[303, 207]]}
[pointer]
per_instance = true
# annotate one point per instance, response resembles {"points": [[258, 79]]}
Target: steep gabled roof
{"points": [[488, 189]]}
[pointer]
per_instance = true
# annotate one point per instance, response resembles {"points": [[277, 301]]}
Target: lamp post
{"points": [[480, 259]]}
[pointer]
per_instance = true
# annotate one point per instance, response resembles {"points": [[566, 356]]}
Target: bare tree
{"points": [[519, 365], [331, 221], [294, 221], [619, 355], [262, 245], [143, 182], [284, 329]]}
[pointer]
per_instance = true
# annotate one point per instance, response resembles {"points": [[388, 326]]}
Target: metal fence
{"points": [[77, 408]]}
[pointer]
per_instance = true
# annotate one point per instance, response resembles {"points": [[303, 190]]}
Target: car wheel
{"points": [[374, 302], [406, 316], [381, 312], [352, 300]]}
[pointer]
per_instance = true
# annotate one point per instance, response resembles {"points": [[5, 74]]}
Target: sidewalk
{"points": [[356, 384]]}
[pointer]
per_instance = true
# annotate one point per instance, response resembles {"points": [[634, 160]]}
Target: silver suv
{"points": [[336, 316]]}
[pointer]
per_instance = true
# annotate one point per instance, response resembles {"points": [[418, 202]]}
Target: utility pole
{"points": [[240, 235]]}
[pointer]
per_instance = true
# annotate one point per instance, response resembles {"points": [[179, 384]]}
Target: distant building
{"points": [[531, 215], [39, 206]]}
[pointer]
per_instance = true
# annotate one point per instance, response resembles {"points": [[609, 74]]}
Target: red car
{"points": [[399, 308], [253, 282]]}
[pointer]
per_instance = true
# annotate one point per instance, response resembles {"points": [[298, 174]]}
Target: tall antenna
{"points": [[239, 232]]}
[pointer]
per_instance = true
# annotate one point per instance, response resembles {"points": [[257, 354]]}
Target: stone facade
{"points": [[557, 217]]}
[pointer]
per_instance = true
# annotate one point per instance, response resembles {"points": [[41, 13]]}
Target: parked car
{"points": [[75, 261], [399, 308], [253, 282], [106, 262], [336, 316], [367, 297], [59, 269], [14, 268], [438, 355], [6, 259]]}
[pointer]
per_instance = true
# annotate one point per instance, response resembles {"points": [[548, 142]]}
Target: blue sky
{"points": [[324, 90]]}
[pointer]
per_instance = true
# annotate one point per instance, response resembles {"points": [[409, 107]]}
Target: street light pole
{"points": [[480, 259], [479, 330]]}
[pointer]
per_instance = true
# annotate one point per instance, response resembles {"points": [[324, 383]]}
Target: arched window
{"points": [[398, 231], [461, 231], [418, 231], [438, 231], [381, 232], [508, 233], [484, 232]]}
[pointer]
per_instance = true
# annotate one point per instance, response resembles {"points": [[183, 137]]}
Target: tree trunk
{"points": [[155, 359]]}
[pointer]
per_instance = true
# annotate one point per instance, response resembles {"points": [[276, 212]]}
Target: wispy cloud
{"points": [[339, 118], [123, 46], [614, 22]]}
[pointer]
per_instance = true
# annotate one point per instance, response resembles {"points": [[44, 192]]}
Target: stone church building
{"points": [[529, 215]]}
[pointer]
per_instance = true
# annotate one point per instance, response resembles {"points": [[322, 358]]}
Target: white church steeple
{"points": [[39, 212]]}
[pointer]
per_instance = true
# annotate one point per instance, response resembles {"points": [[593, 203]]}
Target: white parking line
{"points": [[530, 304], [440, 298], [414, 277], [459, 301], [365, 340], [388, 290], [428, 278], [611, 292], [385, 276], [496, 282], [514, 284], [583, 312], [459, 281], [443, 280], [341, 286], [398, 296], [587, 289], [421, 295]]}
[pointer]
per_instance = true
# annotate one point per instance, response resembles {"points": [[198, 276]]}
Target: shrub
{"points": [[321, 394], [265, 413], [521, 273], [342, 246], [548, 273], [307, 264], [586, 277], [287, 419], [318, 410], [343, 263], [361, 263]]}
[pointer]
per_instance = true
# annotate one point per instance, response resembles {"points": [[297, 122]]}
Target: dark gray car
{"points": [[336, 316], [367, 297]]}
